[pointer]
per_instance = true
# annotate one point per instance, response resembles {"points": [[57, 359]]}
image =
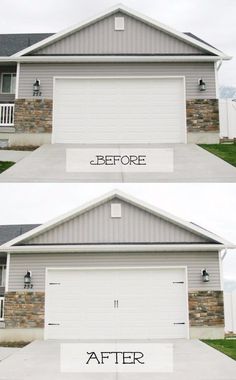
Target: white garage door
{"points": [[116, 304], [119, 110]]}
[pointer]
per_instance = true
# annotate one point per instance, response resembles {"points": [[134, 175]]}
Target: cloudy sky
{"points": [[213, 206], [211, 20]]}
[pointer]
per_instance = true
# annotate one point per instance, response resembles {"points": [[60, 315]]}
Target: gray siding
{"points": [[37, 263], [6, 97], [135, 226], [137, 38], [45, 72]]}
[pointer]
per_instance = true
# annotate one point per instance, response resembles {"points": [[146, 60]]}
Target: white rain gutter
{"points": [[114, 248], [97, 59], [219, 65], [224, 254]]}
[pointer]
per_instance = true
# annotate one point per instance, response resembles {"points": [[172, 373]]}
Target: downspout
{"points": [[7, 272], [219, 65], [224, 254], [220, 258]]}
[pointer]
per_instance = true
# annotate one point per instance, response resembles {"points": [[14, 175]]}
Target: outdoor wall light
{"points": [[36, 88], [28, 280], [202, 85], [205, 275]]}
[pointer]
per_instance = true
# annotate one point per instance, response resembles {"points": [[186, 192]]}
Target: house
{"points": [[118, 77], [115, 268], [9, 232]]}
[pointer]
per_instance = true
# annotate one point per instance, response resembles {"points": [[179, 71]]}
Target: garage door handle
{"points": [[178, 282], [53, 324], [179, 323], [116, 304]]}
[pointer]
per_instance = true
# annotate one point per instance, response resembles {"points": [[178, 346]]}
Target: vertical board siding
{"points": [[38, 262], [102, 38], [46, 71], [135, 226]]}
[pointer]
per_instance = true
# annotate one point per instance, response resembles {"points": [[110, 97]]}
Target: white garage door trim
{"points": [[184, 116], [47, 270]]}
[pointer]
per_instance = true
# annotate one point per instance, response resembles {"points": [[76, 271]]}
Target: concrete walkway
{"points": [[191, 164], [13, 155], [5, 352], [193, 360]]}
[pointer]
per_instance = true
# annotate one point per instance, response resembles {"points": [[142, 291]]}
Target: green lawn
{"points": [[4, 165], [225, 151], [227, 346]]}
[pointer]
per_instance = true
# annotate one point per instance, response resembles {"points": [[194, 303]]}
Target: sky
{"points": [[211, 20], [212, 206]]}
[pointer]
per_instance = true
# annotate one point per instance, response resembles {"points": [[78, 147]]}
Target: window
{"points": [[8, 83], [2, 275]]}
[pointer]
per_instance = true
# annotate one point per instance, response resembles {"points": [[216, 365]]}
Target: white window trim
{"points": [[2, 299], [11, 92], [4, 269]]}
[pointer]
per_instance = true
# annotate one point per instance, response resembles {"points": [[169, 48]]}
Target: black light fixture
{"points": [[205, 275], [36, 88], [202, 85], [28, 280]]}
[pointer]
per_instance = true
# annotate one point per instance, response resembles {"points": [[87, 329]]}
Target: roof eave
{"points": [[109, 248], [114, 58]]}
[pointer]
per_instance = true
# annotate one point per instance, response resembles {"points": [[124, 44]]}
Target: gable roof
{"points": [[212, 238], [121, 8], [12, 43], [11, 231]]}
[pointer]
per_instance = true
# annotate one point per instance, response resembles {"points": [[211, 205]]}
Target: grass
{"points": [[226, 346], [14, 344], [4, 165], [225, 151]]}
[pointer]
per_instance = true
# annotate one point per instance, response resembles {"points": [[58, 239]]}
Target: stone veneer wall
{"points": [[202, 115], [24, 309], [33, 115], [206, 308]]}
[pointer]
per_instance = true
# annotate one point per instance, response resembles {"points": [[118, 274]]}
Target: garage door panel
{"points": [[115, 108], [149, 304]]}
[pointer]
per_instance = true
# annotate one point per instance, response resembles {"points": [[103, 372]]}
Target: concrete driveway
{"points": [[190, 164], [193, 360]]}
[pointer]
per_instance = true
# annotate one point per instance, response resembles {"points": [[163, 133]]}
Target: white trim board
{"points": [[108, 58], [118, 248], [127, 198], [128, 267], [130, 12]]}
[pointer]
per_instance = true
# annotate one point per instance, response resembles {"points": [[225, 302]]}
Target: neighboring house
{"points": [[9, 232], [113, 268], [119, 77]]}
